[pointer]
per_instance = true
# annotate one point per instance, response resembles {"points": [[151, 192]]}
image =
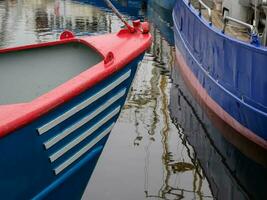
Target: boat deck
{"points": [[27, 74], [233, 30]]}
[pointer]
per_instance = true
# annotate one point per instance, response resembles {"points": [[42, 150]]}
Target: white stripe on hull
{"points": [[84, 104], [77, 155], [83, 136], [83, 121]]}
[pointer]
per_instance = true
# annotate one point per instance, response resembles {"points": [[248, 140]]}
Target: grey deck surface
{"points": [[25, 75]]}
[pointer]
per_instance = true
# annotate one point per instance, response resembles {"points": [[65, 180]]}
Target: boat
{"points": [[222, 59], [131, 8], [59, 101], [231, 174]]}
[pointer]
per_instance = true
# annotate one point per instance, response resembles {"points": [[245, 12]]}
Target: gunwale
{"points": [[117, 49]]}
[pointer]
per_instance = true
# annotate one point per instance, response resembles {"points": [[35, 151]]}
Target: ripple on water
{"points": [[159, 147]]}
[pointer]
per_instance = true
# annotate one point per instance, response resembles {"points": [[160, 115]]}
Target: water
{"points": [[163, 146]]}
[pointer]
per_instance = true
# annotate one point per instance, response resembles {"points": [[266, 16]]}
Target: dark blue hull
{"points": [[231, 174], [231, 73], [54, 156], [132, 8]]}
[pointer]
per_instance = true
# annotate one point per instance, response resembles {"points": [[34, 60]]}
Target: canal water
{"points": [[163, 146]]}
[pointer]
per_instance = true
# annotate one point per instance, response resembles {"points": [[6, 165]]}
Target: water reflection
{"points": [[157, 160], [231, 175], [166, 152], [172, 168], [161, 18], [149, 155], [31, 21]]}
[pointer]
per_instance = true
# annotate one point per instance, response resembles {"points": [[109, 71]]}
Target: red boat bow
{"points": [[117, 50]]}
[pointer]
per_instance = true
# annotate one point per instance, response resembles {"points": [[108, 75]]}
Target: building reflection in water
{"points": [[40, 21], [31, 21]]}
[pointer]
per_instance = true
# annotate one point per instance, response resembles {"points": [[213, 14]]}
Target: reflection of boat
{"points": [[231, 175], [165, 4], [225, 74], [162, 20], [133, 8], [177, 162], [59, 102]]}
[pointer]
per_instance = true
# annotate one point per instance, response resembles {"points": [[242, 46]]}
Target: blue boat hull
{"points": [[231, 175], [54, 156], [229, 72], [132, 8]]}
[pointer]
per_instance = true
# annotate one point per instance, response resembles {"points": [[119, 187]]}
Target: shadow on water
{"points": [[163, 146]]}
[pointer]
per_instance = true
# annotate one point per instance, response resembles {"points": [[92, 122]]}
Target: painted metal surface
{"points": [[51, 144], [59, 153], [48, 144], [131, 8], [125, 47], [231, 72], [65, 167], [81, 152], [231, 174], [82, 105]]}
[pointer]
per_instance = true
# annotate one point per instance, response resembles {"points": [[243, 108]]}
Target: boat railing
{"points": [[226, 19], [201, 3], [253, 31], [254, 36]]}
